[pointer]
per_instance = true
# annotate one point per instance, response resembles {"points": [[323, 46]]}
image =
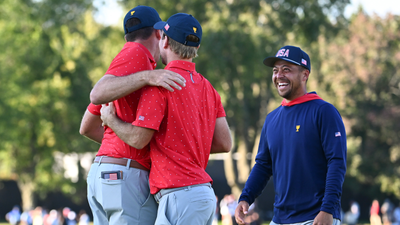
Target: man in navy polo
{"points": [[302, 145]]}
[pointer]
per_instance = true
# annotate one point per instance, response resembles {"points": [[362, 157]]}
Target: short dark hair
{"points": [[141, 34]]}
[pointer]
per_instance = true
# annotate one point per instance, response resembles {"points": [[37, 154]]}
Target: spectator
{"points": [[387, 212], [71, 218], [396, 215], [375, 218], [225, 215], [83, 218], [13, 217], [26, 218], [351, 217], [232, 204]]}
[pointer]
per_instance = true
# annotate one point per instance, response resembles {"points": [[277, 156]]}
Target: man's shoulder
{"points": [[322, 104]]}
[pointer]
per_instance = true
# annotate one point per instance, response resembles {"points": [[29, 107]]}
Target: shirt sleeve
{"points": [[333, 138], [94, 109], [151, 108], [261, 172]]}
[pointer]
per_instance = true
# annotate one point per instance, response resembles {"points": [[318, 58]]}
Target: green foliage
{"points": [[50, 48], [361, 74]]}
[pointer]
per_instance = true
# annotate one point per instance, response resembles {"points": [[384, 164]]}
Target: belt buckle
{"points": [[158, 196]]}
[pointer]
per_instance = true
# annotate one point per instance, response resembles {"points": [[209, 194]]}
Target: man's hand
{"points": [[323, 218], [241, 212], [166, 79], [107, 113]]}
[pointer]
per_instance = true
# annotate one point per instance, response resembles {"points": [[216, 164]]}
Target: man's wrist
{"points": [[144, 77], [112, 121]]}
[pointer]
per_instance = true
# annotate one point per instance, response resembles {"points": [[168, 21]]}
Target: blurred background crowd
{"points": [[41, 216], [386, 213]]}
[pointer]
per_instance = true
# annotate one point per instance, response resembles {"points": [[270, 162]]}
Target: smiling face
{"points": [[289, 79]]}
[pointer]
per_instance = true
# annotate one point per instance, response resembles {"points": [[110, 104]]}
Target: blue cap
{"points": [[291, 54], [147, 16], [179, 26]]}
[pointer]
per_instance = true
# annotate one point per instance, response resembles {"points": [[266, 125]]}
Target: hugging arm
{"points": [[110, 87]]}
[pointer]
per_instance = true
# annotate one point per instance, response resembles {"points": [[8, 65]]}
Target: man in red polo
{"points": [[118, 188], [182, 127]]}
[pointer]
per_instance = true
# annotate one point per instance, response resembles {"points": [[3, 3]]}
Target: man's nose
{"points": [[279, 73]]}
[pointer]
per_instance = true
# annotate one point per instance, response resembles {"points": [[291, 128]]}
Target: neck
{"points": [[171, 56], [293, 97], [150, 44]]}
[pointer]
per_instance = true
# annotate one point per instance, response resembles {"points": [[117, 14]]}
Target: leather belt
{"points": [[119, 161], [157, 196]]}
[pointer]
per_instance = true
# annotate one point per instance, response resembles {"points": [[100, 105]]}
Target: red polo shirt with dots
{"points": [[133, 57], [185, 124]]}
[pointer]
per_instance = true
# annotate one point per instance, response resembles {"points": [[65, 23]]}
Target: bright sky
{"points": [[380, 7], [110, 13]]}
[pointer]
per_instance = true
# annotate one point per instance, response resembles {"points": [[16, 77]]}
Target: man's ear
{"points": [[198, 47], [158, 34], [165, 42], [125, 38], [306, 74]]}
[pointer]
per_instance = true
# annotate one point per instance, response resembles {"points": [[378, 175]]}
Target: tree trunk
{"points": [[26, 189]]}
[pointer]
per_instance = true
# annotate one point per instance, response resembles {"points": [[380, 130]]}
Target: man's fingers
{"points": [[175, 85], [240, 219], [180, 80], [169, 88], [177, 78]]}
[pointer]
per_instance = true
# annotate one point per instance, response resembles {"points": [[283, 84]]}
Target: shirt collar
{"points": [[180, 64], [305, 98], [130, 44]]}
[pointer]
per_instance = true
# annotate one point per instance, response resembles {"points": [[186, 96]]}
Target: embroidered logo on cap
{"points": [[297, 128], [132, 13], [283, 52], [166, 27], [195, 29], [304, 61]]}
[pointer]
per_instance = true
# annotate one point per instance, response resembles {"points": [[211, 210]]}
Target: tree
{"points": [[361, 74], [51, 49]]}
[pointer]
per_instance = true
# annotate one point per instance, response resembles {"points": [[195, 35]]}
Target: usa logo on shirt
{"points": [[141, 118], [337, 134]]}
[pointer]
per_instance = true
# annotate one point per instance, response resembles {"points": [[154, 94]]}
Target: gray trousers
{"points": [[120, 201], [194, 205]]}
